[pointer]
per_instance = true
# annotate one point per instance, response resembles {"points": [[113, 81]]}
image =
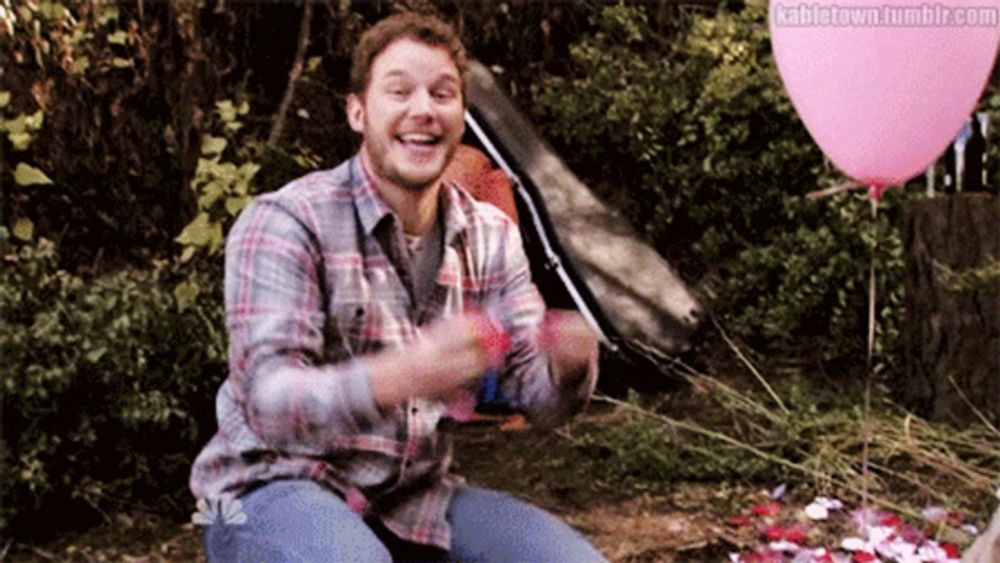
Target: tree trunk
{"points": [[952, 334]]}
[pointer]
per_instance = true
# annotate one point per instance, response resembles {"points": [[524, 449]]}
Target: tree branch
{"points": [[293, 76]]}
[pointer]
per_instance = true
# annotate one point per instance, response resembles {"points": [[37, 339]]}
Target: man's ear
{"points": [[356, 113]]}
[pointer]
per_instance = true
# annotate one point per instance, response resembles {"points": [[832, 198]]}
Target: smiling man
{"points": [[364, 306]]}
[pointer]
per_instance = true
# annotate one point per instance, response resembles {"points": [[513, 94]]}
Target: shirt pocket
{"points": [[356, 327], [366, 326]]}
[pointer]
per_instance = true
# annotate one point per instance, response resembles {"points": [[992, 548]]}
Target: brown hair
{"points": [[422, 28]]}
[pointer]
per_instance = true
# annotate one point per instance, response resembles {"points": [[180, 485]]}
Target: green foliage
{"points": [[643, 453], [223, 188], [807, 288], [984, 278], [107, 385]]}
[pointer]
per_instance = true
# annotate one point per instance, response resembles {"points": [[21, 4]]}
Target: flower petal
{"points": [[934, 514], [817, 512], [852, 544]]}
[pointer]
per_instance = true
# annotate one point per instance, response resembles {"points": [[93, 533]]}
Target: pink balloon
{"points": [[884, 85]]}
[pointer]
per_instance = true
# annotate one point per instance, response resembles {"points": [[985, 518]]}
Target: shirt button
{"points": [[413, 410]]}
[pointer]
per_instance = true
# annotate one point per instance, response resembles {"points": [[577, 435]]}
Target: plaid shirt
{"points": [[316, 279]]}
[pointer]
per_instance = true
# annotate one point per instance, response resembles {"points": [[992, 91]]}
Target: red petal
{"points": [[952, 550], [795, 535], [738, 521], [864, 557], [774, 533], [891, 520], [766, 509]]}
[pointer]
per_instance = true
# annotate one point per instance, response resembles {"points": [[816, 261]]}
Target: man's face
{"points": [[411, 115]]}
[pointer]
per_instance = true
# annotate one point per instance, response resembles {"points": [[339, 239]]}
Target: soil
{"points": [[554, 470]]}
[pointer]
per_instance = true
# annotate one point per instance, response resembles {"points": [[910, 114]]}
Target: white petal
{"points": [[879, 534], [934, 514], [783, 546], [817, 512], [853, 544], [779, 491], [970, 529]]}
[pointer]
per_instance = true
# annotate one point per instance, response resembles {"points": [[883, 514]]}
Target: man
{"points": [[364, 304]]}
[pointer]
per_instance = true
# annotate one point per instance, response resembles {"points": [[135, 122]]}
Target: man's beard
{"points": [[382, 169]]}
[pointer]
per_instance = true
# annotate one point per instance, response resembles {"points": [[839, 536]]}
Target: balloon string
{"points": [[868, 360]]}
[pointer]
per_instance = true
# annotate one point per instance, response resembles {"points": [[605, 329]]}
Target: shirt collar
{"points": [[372, 209]]}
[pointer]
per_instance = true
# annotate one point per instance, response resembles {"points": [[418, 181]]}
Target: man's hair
{"points": [[422, 28]]}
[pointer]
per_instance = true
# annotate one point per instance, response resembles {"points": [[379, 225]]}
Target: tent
{"points": [[584, 255]]}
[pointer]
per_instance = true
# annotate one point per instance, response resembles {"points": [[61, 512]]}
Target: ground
{"points": [[552, 470]]}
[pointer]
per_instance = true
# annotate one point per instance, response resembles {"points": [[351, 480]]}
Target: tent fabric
{"points": [[629, 284]]}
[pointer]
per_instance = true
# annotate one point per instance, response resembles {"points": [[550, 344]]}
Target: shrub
{"points": [[107, 386]]}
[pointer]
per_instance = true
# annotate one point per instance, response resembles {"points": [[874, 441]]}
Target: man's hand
{"points": [[571, 347], [449, 354]]}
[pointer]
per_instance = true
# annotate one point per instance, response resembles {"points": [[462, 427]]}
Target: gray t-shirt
{"points": [[425, 259]]}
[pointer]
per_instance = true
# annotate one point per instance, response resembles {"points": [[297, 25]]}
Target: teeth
{"points": [[418, 138]]}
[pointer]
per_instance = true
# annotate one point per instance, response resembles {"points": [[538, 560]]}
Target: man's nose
{"points": [[421, 103]]}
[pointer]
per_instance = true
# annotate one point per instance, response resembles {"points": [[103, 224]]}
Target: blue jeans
{"points": [[303, 521]]}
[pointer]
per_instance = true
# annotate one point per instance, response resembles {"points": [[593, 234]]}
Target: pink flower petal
{"points": [[934, 514]]}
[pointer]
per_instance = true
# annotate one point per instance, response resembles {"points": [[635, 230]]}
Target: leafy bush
{"points": [[107, 386]]}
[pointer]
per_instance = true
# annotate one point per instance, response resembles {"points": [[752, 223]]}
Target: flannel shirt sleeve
{"points": [[529, 379], [275, 315]]}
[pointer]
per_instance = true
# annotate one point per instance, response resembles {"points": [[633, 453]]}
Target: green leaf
{"points": [[80, 65], [108, 13], [35, 120], [16, 125], [27, 175], [24, 229], [226, 110], [187, 255], [303, 113], [4, 98], [21, 141], [236, 204], [197, 232], [118, 38], [119, 62], [244, 108], [53, 11], [248, 170], [210, 194], [211, 146], [95, 356], [186, 293]]}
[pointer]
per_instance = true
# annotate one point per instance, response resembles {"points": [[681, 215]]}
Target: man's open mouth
{"points": [[421, 139]]}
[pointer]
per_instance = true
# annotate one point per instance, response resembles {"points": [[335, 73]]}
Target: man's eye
{"points": [[445, 94]]}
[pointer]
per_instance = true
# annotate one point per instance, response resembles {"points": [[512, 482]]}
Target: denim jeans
{"points": [[302, 521]]}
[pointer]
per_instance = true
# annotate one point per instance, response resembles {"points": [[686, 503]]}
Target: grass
{"points": [[796, 430]]}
